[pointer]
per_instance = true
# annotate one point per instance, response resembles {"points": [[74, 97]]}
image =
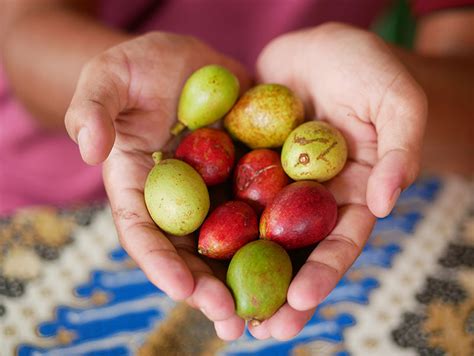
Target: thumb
{"points": [[400, 124], [100, 95]]}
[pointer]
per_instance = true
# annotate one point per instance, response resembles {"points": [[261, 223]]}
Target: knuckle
{"points": [[337, 30], [71, 127], [333, 26], [192, 40], [97, 64], [421, 100], [124, 214]]}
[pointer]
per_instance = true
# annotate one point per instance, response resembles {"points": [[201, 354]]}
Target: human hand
{"points": [[349, 78], [122, 111]]}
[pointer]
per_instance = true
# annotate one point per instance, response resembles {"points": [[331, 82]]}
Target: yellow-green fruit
{"points": [[259, 275], [176, 197], [264, 116], [208, 94], [314, 150]]}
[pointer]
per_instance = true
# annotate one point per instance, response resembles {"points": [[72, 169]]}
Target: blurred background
{"points": [[68, 288]]}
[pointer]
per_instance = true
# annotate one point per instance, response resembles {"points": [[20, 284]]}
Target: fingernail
{"points": [[393, 200], [82, 139]]}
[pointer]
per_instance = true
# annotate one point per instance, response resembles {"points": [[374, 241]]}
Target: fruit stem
{"points": [[255, 322], [157, 157], [177, 128]]}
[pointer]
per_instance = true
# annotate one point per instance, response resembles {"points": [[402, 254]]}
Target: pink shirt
{"points": [[37, 167]]}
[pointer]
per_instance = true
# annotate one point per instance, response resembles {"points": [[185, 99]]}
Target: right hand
{"points": [[349, 78], [122, 110]]}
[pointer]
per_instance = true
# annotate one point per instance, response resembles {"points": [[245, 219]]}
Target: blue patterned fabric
{"points": [[133, 306]]}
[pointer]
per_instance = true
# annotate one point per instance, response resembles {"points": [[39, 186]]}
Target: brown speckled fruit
{"points": [[314, 150], [207, 96], [264, 116], [176, 196]]}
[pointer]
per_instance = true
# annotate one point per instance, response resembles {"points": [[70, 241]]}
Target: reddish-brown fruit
{"points": [[258, 177], [210, 151], [302, 214], [227, 229]]}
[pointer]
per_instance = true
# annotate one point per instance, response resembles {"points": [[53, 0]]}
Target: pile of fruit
{"points": [[275, 200]]}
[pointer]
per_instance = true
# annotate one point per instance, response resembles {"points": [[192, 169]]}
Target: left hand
{"points": [[350, 78]]}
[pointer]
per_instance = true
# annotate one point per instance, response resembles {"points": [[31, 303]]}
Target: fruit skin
{"points": [[314, 150], [176, 197], [208, 94], [264, 116], [259, 275], [258, 177], [229, 227], [302, 214], [209, 151]]}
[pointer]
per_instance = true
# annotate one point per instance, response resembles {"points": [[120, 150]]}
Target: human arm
{"points": [[44, 44]]}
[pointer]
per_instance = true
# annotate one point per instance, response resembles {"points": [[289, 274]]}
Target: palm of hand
{"points": [[350, 79]]}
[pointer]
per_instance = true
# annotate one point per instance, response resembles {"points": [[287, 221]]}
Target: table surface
{"points": [[67, 288]]}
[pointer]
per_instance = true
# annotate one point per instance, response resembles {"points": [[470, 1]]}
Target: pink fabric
{"points": [[38, 167], [241, 28], [45, 168]]}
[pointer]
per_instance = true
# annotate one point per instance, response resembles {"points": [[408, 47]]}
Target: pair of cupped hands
{"points": [[125, 104]]}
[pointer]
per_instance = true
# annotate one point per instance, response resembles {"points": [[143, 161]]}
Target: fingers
{"points": [[211, 296], [285, 324], [230, 329], [100, 95], [154, 254], [261, 331], [400, 124], [332, 258]]}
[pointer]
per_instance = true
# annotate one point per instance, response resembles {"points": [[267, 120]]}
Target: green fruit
{"points": [[264, 116], [314, 150], [176, 196], [208, 94], [259, 275]]}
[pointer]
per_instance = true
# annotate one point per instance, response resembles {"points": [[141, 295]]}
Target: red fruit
{"points": [[258, 177], [302, 214], [210, 151], [227, 229]]}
